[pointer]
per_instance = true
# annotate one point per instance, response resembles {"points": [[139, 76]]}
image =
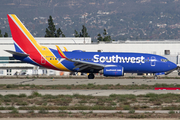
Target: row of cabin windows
{"points": [[146, 60]]}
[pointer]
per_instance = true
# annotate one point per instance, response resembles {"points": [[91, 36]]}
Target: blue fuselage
{"points": [[131, 62]]}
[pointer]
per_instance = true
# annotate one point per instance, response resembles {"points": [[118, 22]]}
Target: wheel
{"points": [[155, 77], [91, 76], [179, 73]]}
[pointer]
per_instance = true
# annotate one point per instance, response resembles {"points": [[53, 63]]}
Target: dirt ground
{"points": [[84, 119]]}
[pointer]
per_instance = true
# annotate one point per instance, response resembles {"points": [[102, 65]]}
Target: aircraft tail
{"points": [[28, 49], [24, 41]]}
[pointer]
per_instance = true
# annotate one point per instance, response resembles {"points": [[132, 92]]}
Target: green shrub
{"points": [[132, 111], [22, 95], [30, 111], [14, 111], [9, 86], [171, 112], [11, 108], [120, 112], [113, 103], [126, 107], [22, 103], [6, 99], [43, 111], [83, 101], [49, 96], [35, 94], [11, 95], [2, 108]]}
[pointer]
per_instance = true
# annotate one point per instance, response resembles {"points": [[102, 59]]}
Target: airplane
{"points": [[28, 50]]}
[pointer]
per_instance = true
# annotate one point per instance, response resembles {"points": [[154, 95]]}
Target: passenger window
{"points": [[50, 58]]}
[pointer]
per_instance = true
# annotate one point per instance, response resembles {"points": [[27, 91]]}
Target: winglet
{"points": [[65, 49], [60, 52]]}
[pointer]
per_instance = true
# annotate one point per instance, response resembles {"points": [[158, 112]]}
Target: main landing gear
{"points": [[155, 77], [91, 76]]}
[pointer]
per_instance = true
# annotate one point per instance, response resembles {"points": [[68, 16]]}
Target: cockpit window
{"points": [[164, 60]]}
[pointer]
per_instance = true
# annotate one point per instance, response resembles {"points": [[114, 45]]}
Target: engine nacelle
{"points": [[113, 71]]}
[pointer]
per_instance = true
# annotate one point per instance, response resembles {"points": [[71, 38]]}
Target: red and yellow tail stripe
{"points": [[23, 38], [60, 52]]}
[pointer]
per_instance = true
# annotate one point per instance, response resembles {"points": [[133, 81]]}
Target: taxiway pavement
{"points": [[86, 81]]}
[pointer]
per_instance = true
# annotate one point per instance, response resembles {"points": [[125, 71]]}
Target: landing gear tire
{"points": [[179, 73], [91, 76], [155, 77]]}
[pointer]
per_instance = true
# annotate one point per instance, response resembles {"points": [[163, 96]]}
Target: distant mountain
{"points": [[123, 19]]}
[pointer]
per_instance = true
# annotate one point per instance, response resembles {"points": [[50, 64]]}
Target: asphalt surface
{"points": [[86, 81]]}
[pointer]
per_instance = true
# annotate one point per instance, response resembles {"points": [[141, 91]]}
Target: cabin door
{"points": [[153, 61]]}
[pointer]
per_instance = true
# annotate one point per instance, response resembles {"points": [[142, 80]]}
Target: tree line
{"points": [[5, 35], [52, 32]]}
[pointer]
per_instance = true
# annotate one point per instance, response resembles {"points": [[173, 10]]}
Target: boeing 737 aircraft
{"points": [[109, 63]]}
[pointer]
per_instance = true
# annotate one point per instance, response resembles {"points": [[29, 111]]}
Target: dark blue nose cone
{"points": [[172, 65]]}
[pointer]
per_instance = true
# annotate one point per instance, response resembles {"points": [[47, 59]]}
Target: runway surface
{"points": [[86, 81], [88, 92]]}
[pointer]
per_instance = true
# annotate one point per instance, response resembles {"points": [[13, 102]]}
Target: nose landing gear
{"points": [[179, 73]]}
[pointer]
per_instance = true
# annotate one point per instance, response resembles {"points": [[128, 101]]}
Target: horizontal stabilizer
{"points": [[17, 53]]}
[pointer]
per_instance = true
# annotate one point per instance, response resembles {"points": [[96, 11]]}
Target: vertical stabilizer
{"points": [[25, 43], [23, 39]]}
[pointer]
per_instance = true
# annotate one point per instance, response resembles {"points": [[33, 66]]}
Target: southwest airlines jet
{"points": [[109, 63]]}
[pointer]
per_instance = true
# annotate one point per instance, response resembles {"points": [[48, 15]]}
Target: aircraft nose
{"points": [[172, 65]]}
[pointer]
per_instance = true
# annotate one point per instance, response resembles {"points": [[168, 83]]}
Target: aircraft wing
{"points": [[82, 65]]}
